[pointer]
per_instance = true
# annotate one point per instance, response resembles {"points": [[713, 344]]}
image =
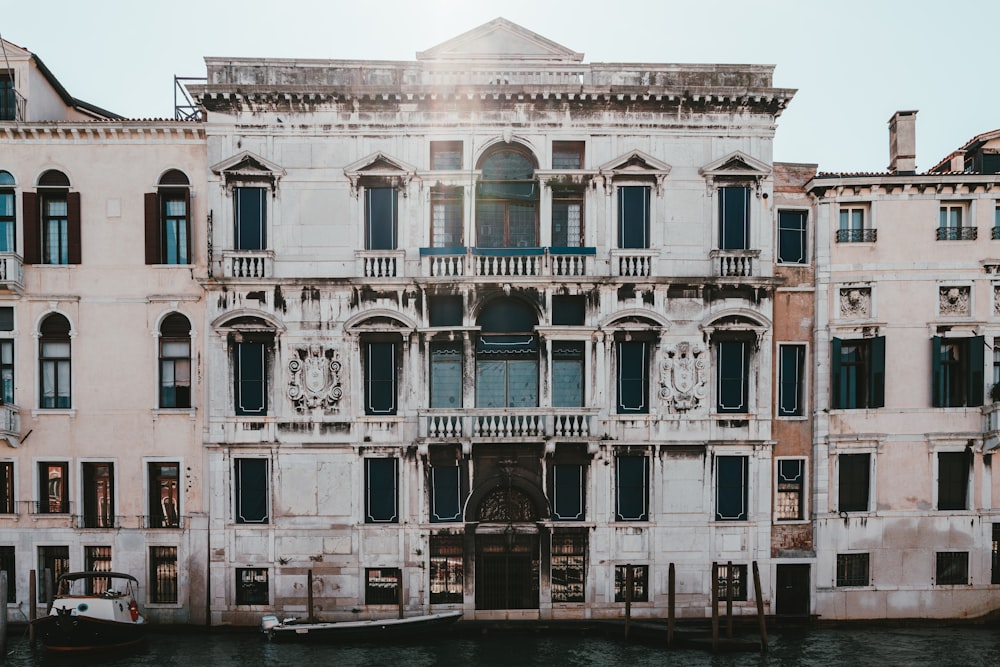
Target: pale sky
{"points": [[854, 62]]}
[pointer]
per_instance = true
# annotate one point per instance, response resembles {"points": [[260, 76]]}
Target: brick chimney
{"points": [[903, 142]]}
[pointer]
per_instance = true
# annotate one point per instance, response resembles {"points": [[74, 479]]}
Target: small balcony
{"points": [[11, 272], [857, 235], [991, 426], [97, 520], [463, 262], [736, 263], [10, 421], [154, 521], [957, 233], [248, 264], [633, 262], [380, 263], [510, 423]]}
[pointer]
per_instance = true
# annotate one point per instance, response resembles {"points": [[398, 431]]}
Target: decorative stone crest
{"points": [[315, 381], [954, 301], [996, 300], [682, 376], [856, 303]]}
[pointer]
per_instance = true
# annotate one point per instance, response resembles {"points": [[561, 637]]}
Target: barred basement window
{"points": [[852, 569], [163, 575], [569, 566], [252, 586], [382, 585], [446, 568], [97, 559], [56, 561], [739, 582], [952, 568], [640, 583]]}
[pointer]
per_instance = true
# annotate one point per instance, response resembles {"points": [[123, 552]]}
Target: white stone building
{"points": [[486, 328], [101, 320]]}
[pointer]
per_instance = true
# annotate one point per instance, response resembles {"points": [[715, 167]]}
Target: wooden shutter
{"points": [[567, 492], [633, 378], [73, 227], [853, 482], [633, 216], [837, 385], [631, 478], [380, 491], [876, 373], [31, 229], [937, 393], [977, 344], [446, 499], [251, 490], [152, 210], [731, 488], [380, 379], [251, 385], [190, 223]]}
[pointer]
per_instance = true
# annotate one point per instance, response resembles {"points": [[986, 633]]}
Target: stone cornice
{"points": [[110, 131], [834, 185]]}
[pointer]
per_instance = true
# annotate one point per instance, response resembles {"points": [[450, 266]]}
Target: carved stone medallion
{"points": [[315, 379], [856, 303], [682, 376], [954, 301]]}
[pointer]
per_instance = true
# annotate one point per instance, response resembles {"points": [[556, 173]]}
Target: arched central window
{"points": [[54, 361], [507, 200], [175, 362], [507, 356]]}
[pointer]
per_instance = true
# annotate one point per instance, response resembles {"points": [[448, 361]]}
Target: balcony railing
{"points": [[50, 507], [508, 423], [995, 233], [12, 105], [155, 521], [381, 263], [991, 426], [249, 264], [736, 263], [633, 263], [11, 272], [857, 235], [10, 421], [97, 521], [506, 262], [957, 233]]}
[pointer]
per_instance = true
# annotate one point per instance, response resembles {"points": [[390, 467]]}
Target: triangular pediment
{"points": [[379, 164], [247, 165], [737, 165], [14, 52], [635, 162], [500, 39]]}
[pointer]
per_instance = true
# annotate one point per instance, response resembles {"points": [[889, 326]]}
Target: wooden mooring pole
{"points": [[399, 593], [309, 596], [3, 616], [715, 607], [32, 605], [729, 599], [628, 597], [670, 605], [760, 608]]}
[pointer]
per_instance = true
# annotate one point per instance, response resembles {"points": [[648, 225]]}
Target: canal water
{"points": [[853, 645]]}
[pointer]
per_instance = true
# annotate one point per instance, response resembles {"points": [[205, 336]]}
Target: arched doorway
{"points": [[507, 553]]}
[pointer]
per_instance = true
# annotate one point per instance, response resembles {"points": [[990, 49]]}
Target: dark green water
{"points": [[821, 646]]}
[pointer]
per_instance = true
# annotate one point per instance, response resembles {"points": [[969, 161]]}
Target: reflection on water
{"points": [[966, 645]]}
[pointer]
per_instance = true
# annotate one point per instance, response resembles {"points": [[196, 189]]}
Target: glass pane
{"points": [[490, 225], [446, 376], [567, 383], [7, 204], [7, 236], [522, 383], [566, 224], [491, 384], [176, 348], [522, 225]]}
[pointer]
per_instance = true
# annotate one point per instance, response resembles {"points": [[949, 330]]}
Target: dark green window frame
{"points": [[858, 373]]}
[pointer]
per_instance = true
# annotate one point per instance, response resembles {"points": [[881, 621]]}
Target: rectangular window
{"points": [[631, 488], [734, 218], [569, 310], [739, 582], [792, 237], [250, 362], [446, 217], [6, 487], [733, 376], [567, 221], [98, 495], [175, 373], [446, 376], [950, 224], [251, 490], [164, 495], [568, 500], [250, 208], [445, 311], [952, 568], [7, 565], [567, 374], [569, 566], [97, 559], [55, 228], [53, 488], [446, 155], [55, 365], [995, 570], [791, 490], [633, 377], [380, 218], [567, 154], [381, 495], [446, 493], [854, 473], [853, 228], [640, 583], [507, 372], [953, 472], [852, 569], [858, 373], [633, 216], [957, 371], [731, 488], [791, 380], [251, 586], [54, 562], [380, 378], [7, 218], [174, 241], [446, 568], [7, 371], [163, 575], [382, 585]]}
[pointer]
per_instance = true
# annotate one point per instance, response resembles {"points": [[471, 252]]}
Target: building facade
{"points": [[101, 318], [486, 330]]}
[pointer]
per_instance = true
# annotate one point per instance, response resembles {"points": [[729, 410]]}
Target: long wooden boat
{"points": [[92, 611], [294, 630]]}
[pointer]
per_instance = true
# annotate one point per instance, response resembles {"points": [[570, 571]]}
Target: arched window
{"points": [[252, 344], [175, 362], [7, 217], [507, 356], [507, 200], [54, 363], [168, 216], [52, 221]]}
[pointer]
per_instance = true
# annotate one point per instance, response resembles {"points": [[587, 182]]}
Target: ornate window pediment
{"points": [[379, 169], [636, 165], [248, 168], [736, 168]]}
